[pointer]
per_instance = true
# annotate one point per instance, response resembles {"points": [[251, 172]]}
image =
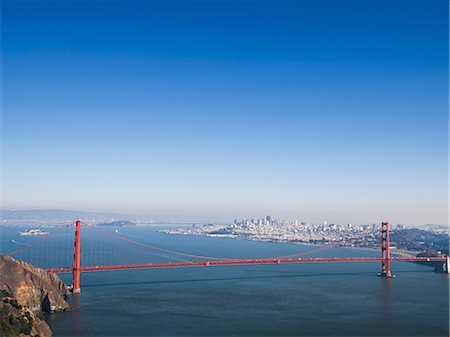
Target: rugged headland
{"points": [[26, 292]]}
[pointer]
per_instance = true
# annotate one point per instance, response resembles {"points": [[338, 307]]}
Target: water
{"points": [[340, 299]]}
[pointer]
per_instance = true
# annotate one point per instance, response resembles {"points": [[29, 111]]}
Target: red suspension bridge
{"points": [[125, 253]]}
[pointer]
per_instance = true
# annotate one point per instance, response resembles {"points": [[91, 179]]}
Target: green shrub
{"points": [[4, 293], [15, 304], [12, 324]]}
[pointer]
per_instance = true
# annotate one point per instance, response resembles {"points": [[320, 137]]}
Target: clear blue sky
{"points": [[324, 110]]}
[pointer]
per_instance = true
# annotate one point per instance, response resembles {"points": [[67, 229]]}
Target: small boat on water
{"points": [[32, 232]]}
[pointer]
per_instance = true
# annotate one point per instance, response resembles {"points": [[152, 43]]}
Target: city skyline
{"points": [[308, 110]]}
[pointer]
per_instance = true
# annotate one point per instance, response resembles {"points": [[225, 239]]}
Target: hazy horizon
{"points": [[320, 111], [142, 217]]}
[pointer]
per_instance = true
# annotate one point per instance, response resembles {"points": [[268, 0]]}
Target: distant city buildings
{"points": [[268, 229]]}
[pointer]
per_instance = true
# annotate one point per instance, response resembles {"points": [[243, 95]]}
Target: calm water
{"points": [[339, 299]]}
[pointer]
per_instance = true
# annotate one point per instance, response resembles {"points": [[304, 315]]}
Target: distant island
{"points": [[118, 223]]}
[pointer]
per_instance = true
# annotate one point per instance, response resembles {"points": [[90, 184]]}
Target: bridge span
{"points": [[180, 259], [247, 262]]}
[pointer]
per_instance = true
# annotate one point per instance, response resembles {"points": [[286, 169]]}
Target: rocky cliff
{"points": [[27, 291]]}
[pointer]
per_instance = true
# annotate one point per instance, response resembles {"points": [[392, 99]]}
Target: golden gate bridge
{"points": [[124, 253]]}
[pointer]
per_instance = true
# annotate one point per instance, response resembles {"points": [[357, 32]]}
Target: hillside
{"points": [[26, 292]]}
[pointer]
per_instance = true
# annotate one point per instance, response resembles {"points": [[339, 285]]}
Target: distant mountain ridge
{"points": [[64, 216], [57, 215]]}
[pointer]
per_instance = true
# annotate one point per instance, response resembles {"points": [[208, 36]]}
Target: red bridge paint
{"points": [[385, 251], [248, 262], [77, 259]]}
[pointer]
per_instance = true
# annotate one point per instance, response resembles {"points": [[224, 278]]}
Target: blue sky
{"points": [[318, 110]]}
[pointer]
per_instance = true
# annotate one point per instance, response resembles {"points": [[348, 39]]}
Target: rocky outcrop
{"points": [[27, 288], [18, 320]]}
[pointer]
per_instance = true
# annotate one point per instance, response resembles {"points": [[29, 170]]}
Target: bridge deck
{"points": [[229, 262]]}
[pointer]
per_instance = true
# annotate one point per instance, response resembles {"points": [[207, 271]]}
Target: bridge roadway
{"points": [[229, 262]]}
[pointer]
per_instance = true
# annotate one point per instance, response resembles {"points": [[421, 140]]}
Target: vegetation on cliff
{"points": [[14, 318]]}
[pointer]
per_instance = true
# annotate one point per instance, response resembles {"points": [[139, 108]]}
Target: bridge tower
{"points": [[76, 271], [442, 266], [385, 251]]}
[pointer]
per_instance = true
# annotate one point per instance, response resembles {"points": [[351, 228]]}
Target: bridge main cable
{"points": [[153, 247], [41, 239]]}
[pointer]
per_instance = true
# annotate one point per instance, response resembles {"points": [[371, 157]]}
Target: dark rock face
{"points": [[34, 289]]}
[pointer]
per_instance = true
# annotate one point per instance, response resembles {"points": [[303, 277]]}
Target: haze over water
{"points": [[341, 299]]}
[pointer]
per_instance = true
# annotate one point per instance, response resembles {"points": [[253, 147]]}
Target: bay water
{"points": [[327, 299]]}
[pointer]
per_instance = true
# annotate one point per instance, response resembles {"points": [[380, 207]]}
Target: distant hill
{"points": [[65, 216], [118, 223], [419, 239], [57, 215]]}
